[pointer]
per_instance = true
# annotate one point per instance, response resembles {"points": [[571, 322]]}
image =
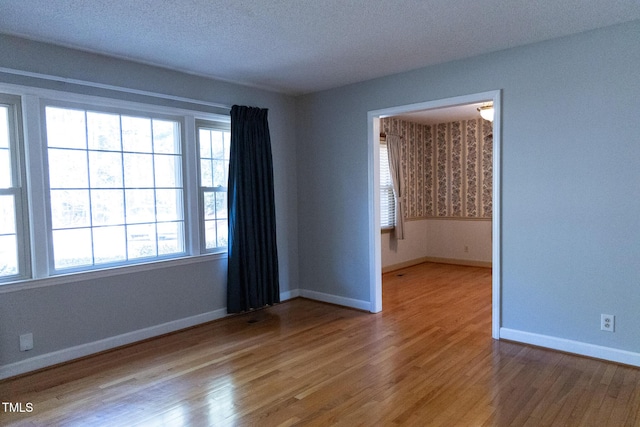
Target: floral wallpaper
{"points": [[448, 167]]}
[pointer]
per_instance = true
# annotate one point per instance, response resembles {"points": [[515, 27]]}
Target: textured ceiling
{"points": [[298, 46]]}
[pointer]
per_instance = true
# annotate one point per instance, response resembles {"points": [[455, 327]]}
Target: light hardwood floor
{"points": [[427, 360]]}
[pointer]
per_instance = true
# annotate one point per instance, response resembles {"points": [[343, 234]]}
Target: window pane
{"points": [[216, 233], [66, 128], [227, 144], [72, 248], [8, 214], [141, 206], [105, 169], [5, 168], [170, 238], [103, 131], [223, 229], [4, 126], [214, 172], [136, 134], [8, 256], [219, 173], [221, 205], [168, 171], [141, 241], [107, 191], [215, 205], [109, 244], [206, 173], [138, 170], [217, 146], [169, 205], [204, 136], [165, 137], [68, 169], [5, 154], [215, 212], [107, 207], [14, 230], [69, 208], [210, 205], [211, 238]]}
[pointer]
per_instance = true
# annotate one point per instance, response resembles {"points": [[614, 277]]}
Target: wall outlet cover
{"points": [[26, 342]]}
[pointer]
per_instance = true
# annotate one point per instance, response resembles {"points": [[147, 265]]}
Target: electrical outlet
{"points": [[26, 342], [607, 322]]}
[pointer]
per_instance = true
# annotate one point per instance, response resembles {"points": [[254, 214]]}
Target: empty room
{"points": [[192, 213]]}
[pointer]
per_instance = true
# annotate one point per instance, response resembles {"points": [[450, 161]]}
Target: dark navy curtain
{"points": [[252, 278]]}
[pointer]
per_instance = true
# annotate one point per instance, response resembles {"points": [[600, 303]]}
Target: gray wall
{"points": [[70, 314], [570, 174], [570, 194]]}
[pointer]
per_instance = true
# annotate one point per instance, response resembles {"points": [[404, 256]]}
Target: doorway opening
{"points": [[375, 252]]}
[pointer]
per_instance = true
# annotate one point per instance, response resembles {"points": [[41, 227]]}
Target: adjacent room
{"points": [[501, 288]]}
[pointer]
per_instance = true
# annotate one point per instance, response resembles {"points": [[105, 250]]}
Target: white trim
{"points": [[335, 299], [496, 233], [375, 269], [191, 189], [375, 244], [86, 83], [286, 295], [82, 350], [574, 347], [102, 101], [108, 272], [34, 100], [437, 260]]}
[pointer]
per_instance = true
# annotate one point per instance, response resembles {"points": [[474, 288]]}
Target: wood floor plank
{"points": [[427, 360]]}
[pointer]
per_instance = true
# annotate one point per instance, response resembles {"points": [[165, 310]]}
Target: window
{"points": [[13, 226], [387, 199], [214, 142], [115, 187], [89, 183]]}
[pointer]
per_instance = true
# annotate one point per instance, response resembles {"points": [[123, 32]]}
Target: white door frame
{"points": [[375, 252]]}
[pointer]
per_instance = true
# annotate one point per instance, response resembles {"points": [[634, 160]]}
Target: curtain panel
{"points": [[252, 276]]}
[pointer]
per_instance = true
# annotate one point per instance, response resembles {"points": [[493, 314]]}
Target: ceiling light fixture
{"points": [[486, 112]]}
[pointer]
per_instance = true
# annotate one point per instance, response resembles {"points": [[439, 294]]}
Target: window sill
{"points": [[25, 284]]}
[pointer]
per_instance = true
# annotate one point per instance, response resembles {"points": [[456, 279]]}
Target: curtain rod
{"points": [[111, 87]]}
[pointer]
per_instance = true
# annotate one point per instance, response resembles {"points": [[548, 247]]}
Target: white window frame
{"points": [[37, 251], [224, 126], [18, 187], [88, 108]]}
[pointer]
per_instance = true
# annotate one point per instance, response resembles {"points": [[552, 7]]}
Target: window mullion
{"points": [[124, 185], [190, 185], [37, 196], [89, 187], [155, 188]]}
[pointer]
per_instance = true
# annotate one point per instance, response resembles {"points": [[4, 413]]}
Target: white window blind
{"points": [[387, 199]]}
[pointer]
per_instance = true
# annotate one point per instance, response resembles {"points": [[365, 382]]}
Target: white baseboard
{"points": [[289, 294], [333, 299], [67, 354], [454, 261], [570, 346]]}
